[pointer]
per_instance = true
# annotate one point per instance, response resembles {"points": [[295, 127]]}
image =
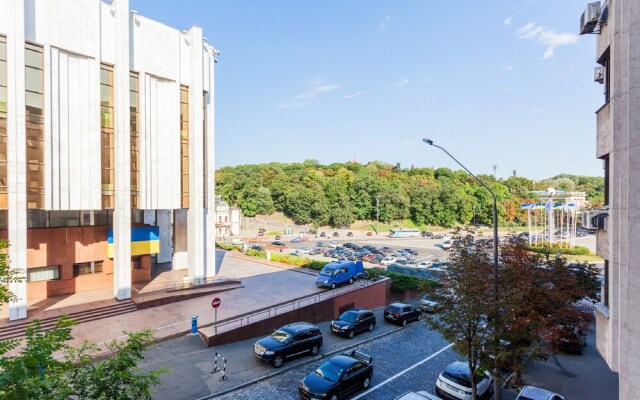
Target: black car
{"points": [[276, 243], [322, 234], [289, 341], [569, 339], [257, 247], [349, 234], [353, 321], [335, 234], [338, 377], [401, 313], [426, 234]]}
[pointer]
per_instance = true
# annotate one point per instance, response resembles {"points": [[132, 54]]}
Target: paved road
{"points": [[408, 359]]}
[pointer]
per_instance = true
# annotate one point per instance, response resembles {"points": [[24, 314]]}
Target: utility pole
{"points": [[377, 214]]}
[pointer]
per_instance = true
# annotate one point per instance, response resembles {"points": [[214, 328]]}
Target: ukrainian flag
{"points": [[144, 240]]}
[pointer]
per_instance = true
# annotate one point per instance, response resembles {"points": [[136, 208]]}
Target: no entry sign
{"points": [[215, 303]]}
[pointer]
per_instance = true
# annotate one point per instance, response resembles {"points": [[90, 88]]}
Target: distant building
{"points": [[105, 147], [228, 220], [617, 23], [578, 199]]}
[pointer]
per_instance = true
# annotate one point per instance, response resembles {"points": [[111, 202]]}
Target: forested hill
{"points": [[340, 193]]}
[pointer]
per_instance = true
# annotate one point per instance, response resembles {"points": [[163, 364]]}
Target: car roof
{"points": [[535, 393], [297, 327], [400, 305], [343, 361], [358, 310], [458, 369], [420, 395]]}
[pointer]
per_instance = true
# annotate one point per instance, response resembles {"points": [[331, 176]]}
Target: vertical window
{"points": [[3, 124], [204, 148], [136, 262], [133, 106], [605, 284], [107, 137], [184, 146], [87, 268], [606, 179], [34, 93]]}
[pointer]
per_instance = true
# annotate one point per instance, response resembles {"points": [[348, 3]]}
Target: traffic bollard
{"points": [[194, 325]]}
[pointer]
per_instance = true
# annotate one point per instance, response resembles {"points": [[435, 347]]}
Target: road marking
{"points": [[402, 372]]}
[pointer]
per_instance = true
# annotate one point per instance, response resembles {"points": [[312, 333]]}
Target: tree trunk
{"points": [[496, 380]]}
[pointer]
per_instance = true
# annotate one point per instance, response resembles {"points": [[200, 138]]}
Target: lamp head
{"points": [[428, 141]]}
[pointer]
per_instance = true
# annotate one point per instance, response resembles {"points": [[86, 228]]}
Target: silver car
{"points": [[535, 393]]}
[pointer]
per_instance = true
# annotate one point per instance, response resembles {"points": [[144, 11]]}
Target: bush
{"points": [[401, 282], [256, 253], [316, 264], [577, 251], [225, 246]]}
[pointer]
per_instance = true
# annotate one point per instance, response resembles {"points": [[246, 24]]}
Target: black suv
{"points": [[401, 313], [353, 321], [289, 341]]}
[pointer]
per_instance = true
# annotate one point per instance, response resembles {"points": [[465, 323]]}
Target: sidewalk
{"points": [[191, 365]]}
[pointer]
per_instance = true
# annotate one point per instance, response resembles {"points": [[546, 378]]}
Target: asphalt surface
{"points": [[392, 354]]}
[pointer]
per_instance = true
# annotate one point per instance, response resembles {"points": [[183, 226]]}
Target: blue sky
{"points": [[494, 82]]}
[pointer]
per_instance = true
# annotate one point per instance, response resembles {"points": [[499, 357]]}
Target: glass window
{"points": [[3, 73], [43, 273], [135, 263], [184, 145], [34, 87], [64, 218], [34, 81], [87, 268]]}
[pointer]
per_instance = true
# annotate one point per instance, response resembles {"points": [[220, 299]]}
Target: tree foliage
{"points": [[43, 366], [340, 193], [535, 297]]}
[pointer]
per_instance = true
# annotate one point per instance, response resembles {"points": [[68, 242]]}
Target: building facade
{"points": [[106, 141], [228, 221], [618, 146]]}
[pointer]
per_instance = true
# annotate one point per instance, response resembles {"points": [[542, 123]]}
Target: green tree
{"points": [[8, 275], [31, 367], [466, 301]]}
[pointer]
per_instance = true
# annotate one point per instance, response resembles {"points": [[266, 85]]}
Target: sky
{"points": [[501, 83]]}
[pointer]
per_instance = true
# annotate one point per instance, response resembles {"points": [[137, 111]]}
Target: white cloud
{"points": [[384, 24], [303, 99], [402, 82], [546, 37], [507, 21], [537, 109], [352, 95], [508, 67]]}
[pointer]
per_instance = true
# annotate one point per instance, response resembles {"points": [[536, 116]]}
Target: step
{"points": [[18, 330]]}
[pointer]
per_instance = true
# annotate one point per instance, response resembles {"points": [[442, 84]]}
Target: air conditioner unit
{"points": [[598, 74], [595, 219], [589, 18]]}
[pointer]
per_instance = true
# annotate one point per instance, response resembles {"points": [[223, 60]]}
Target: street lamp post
{"points": [[377, 214], [495, 247]]}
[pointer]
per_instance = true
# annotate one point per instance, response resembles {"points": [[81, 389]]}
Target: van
{"points": [[339, 272]]}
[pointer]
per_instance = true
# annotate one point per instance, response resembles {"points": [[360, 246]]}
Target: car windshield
{"points": [[280, 336], [426, 297], [328, 271], [348, 316], [329, 371]]}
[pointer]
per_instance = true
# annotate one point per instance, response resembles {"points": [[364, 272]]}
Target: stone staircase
{"points": [[17, 329]]}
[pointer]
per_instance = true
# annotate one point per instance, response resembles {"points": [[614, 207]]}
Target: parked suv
{"points": [[455, 382], [353, 321], [287, 342], [401, 313]]}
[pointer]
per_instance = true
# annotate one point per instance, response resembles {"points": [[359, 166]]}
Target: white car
{"points": [[421, 395], [333, 244], [428, 304], [535, 393], [304, 250], [424, 264], [455, 382], [388, 260]]}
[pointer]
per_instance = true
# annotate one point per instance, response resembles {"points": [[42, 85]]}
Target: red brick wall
{"points": [[372, 296], [68, 246]]}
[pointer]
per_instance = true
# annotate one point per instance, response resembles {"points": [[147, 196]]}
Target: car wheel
{"points": [[351, 334], [371, 326], [366, 382], [334, 397], [404, 322], [277, 361], [350, 281], [314, 350], [333, 285]]}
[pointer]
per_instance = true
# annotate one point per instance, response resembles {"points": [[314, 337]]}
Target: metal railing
{"points": [[185, 287], [259, 315]]}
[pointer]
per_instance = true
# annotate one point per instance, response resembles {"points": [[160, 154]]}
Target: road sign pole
{"points": [[215, 321]]}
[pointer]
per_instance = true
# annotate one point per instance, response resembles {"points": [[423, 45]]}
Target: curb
{"points": [[290, 367]]}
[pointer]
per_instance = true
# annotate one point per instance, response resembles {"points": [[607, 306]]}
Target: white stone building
{"points": [[106, 140], [617, 23], [228, 222]]}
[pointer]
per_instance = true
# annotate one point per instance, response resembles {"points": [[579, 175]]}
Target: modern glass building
{"points": [[106, 147]]}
